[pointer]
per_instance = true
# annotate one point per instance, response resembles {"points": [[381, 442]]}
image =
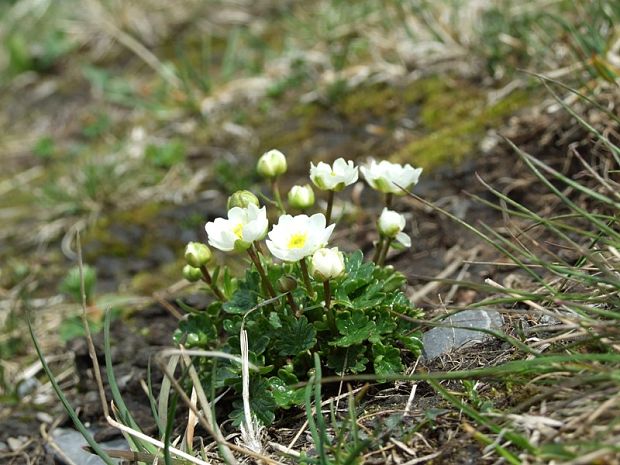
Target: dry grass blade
{"points": [[205, 415], [250, 428], [89, 338]]}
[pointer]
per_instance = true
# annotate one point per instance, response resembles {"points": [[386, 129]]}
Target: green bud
{"points": [[242, 199], [301, 197], [287, 283], [192, 274], [271, 164], [192, 340], [197, 254]]}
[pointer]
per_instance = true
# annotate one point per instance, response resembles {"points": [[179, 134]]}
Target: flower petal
{"points": [[403, 239]]}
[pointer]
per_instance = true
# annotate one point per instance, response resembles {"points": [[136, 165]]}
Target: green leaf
{"points": [[295, 336], [354, 261], [71, 285], [412, 341], [274, 320], [284, 395], [245, 297], [386, 360], [392, 280], [262, 403], [355, 328], [385, 327], [229, 283], [197, 330], [350, 358], [286, 374], [257, 343], [73, 327], [165, 155]]}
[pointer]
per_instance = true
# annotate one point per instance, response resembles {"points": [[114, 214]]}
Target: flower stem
{"points": [[259, 248], [378, 248], [306, 275], [292, 304], [385, 250], [261, 271], [276, 194], [330, 205], [388, 200], [206, 277], [330, 312]]}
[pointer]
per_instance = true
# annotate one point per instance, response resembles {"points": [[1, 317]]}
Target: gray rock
{"points": [[27, 386], [442, 340], [70, 442]]}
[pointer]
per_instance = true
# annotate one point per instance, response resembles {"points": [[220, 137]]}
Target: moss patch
{"points": [[443, 118], [114, 241], [455, 132], [148, 282]]}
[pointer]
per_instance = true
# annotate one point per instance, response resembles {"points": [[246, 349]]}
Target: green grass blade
{"points": [[65, 403], [151, 397], [615, 151], [124, 413], [320, 420]]}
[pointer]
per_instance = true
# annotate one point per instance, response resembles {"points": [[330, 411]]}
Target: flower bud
{"points": [[197, 254], [242, 199], [287, 283], [390, 223], [301, 197], [327, 264], [271, 164], [192, 274]]}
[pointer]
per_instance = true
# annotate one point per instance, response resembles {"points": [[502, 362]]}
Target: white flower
{"points": [[327, 264], [389, 177], [301, 196], [271, 164], [333, 178], [391, 224], [296, 237], [240, 230]]}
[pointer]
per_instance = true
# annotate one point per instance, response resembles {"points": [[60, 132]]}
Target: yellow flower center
{"points": [[297, 240], [238, 230]]}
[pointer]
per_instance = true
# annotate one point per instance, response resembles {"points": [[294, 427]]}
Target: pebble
{"points": [[442, 340], [71, 442], [27, 386]]}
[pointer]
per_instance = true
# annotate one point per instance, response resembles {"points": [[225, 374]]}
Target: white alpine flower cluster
{"points": [[294, 238]]}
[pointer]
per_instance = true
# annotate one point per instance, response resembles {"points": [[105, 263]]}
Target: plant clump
{"points": [[300, 298]]}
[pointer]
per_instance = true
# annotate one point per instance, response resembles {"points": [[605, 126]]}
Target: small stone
{"points": [[442, 340], [71, 442], [44, 417], [17, 443], [27, 386]]}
